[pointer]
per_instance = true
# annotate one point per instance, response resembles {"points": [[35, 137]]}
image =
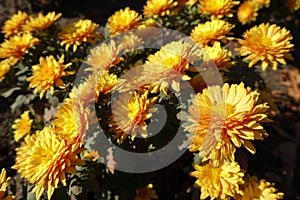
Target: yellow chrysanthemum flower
{"points": [[247, 12], [130, 42], [73, 119], [218, 182], [14, 25], [211, 31], [267, 43], [168, 65], [85, 92], [41, 21], [5, 67], [47, 73], [146, 193], [158, 7], [104, 56], [105, 83], [3, 185], [220, 56], [217, 8], [259, 189], [130, 112], [223, 118], [261, 3], [22, 126], [78, 32], [17, 45], [44, 159], [123, 20]]}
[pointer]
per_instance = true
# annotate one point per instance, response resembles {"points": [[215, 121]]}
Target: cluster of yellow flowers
{"points": [[219, 119]]}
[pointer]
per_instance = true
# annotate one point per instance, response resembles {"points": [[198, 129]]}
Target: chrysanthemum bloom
{"points": [[94, 85], [3, 185], [123, 20], [104, 56], [220, 56], [267, 43], [211, 31], [41, 21], [78, 32], [218, 182], [22, 126], [146, 193], [14, 25], [130, 112], [17, 45], [48, 73], [45, 158], [168, 65], [4, 68], [259, 189], [73, 119], [223, 118], [105, 83], [158, 7], [261, 3], [217, 8], [247, 12], [130, 42]]}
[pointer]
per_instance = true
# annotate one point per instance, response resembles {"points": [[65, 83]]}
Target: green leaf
{"points": [[9, 92]]}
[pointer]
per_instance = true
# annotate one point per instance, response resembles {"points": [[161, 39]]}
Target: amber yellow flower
{"points": [[269, 44], [41, 21], [22, 126], [123, 20], [158, 7], [73, 119], [130, 42], [223, 118], [217, 8], [261, 3], [259, 189], [105, 83], [78, 32], [3, 185], [130, 112], [104, 56], [168, 65], [4, 68], [146, 193], [45, 158], [211, 31], [17, 45], [218, 182], [220, 56], [14, 25], [48, 73], [247, 12]]}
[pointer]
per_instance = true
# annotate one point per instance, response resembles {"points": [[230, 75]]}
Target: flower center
{"points": [[265, 41], [171, 61], [223, 109]]}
